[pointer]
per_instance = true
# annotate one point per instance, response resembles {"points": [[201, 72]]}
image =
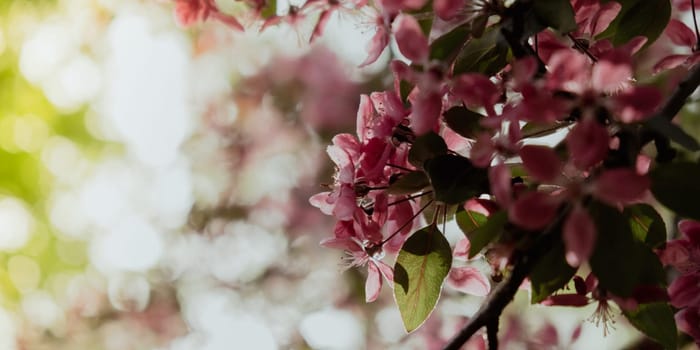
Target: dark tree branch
{"points": [[491, 309], [492, 333], [677, 100]]}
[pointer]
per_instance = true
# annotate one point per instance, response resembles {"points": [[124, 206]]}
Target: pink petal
{"points": [[547, 336], [476, 90], [688, 320], [685, 291], [670, 62], [469, 280], [501, 187], [447, 9], [533, 210], [482, 151], [373, 284], [588, 143], [675, 253], [637, 103], [579, 236], [410, 38], [612, 71], [541, 162], [426, 113], [680, 34], [376, 45], [461, 251], [691, 230], [620, 185], [230, 21], [321, 24], [386, 271]]}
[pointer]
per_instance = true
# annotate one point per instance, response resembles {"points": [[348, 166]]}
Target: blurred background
{"points": [[154, 185]]}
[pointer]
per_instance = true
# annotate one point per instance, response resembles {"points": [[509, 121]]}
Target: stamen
{"points": [[411, 197]]}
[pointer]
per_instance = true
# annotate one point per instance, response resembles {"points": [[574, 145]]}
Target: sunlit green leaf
{"points": [[421, 267], [646, 224], [487, 233]]}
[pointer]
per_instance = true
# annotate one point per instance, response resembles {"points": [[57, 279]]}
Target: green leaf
{"points": [[550, 274], [487, 54], [486, 233], [405, 88], [468, 221], [421, 267], [556, 14], [656, 321], [676, 186], [455, 179], [449, 43], [646, 224], [426, 147], [638, 17], [464, 121], [269, 10], [540, 130], [674, 133], [614, 259], [620, 262], [409, 183]]}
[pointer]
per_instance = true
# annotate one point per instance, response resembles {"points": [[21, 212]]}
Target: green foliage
{"points": [[550, 274], [676, 186], [464, 121], [485, 233], [420, 270], [409, 183], [556, 14], [426, 147], [620, 262], [455, 179], [269, 10], [646, 224], [638, 17], [449, 43], [656, 321], [487, 54]]}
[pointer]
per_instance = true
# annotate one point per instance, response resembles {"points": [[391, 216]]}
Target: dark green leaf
{"points": [[409, 183], [550, 274], [620, 262], [614, 260], [646, 224], [677, 186], [656, 321], [487, 54], [464, 121], [449, 43], [487, 233], [421, 267], [638, 17], [405, 89], [674, 133], [540, 130], [556, 14], [426, 147], [454, 179]]}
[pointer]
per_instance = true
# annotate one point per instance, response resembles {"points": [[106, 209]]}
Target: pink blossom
{"points": [[541, 162], [579, 236], [533, 210], [189, 12], [410, 38], [470, 280], [683, 36], [588, 143], [620, 185]]}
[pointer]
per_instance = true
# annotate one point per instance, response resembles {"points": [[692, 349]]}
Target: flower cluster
{"points": [[684, 255], [459, 136]]}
